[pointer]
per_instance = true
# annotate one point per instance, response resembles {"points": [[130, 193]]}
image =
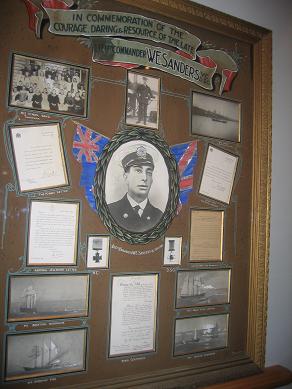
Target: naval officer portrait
{"points": [[134, 211]]}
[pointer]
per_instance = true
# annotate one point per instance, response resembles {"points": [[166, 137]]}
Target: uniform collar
{"points": [[134, 203]]}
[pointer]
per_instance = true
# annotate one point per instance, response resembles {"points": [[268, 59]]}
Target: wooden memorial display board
{"points": [[135, 171]]}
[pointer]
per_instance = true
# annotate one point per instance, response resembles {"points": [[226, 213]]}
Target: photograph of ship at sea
{"points": [[202, 287], [215, 117], [201, 333], [45, 353], [37, 297]]}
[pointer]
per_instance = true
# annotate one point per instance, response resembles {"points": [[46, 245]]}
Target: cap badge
{"points": [[141, 152]]}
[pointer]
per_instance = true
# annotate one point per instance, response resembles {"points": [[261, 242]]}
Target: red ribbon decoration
{"points": [[32, 10], [120, 64], [36, 15], [225, 66], [57, 4], [230, 75], [208, 62]]}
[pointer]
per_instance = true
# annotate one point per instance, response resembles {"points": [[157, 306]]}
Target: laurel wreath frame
{"points": [[119, 139]]}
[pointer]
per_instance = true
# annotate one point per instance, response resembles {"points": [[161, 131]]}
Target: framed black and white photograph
{"points": [[39, 157], [215, 117], [172, 250], [39, 354], [49, 86], [202, 287], [200, 333], [38, 297], [143, 99], [136, 185], [53, 229], [98, 247]]}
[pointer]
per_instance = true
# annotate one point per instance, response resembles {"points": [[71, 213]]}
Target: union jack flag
{"points": [[186, 158], [87, 144], [87, 147]]}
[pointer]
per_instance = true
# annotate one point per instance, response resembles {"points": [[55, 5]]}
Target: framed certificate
{"points": [[133, 314], [39, 156], [52, 233], [218, 174], [206, 235]]}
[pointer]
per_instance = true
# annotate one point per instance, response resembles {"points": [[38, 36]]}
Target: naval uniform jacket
{"points": [[126, 217]]}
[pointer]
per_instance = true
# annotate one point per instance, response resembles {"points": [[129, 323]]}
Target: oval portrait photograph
{"points": [[137, 186]]}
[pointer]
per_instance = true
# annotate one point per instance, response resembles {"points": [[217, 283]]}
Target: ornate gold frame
{"points": [[261, 40]]}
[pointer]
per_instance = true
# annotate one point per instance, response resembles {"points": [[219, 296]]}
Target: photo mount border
{"points": [[213, 138], [122, 137], [141, 74], [13, 161], [13, 54], [46, 274]]}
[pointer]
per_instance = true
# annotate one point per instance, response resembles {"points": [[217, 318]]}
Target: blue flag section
{"points": [[186, 156], [87, 147]]}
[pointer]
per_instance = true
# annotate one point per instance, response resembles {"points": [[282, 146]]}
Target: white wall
{"points": [[276, 16]]}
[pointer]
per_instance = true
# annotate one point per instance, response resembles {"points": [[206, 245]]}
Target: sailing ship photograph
{"points": [[215, 117], [201, 333], [202, 287], [45, 353], [36, 297]]}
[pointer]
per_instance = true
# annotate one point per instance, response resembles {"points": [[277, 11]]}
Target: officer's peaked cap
{"points": [[140, 157]]}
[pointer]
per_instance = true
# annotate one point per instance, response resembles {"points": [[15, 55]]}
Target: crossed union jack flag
{"points": [[186, 157], [88, 145]]}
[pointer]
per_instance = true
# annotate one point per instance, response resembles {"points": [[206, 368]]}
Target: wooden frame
{"points": [[133, 252]]}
